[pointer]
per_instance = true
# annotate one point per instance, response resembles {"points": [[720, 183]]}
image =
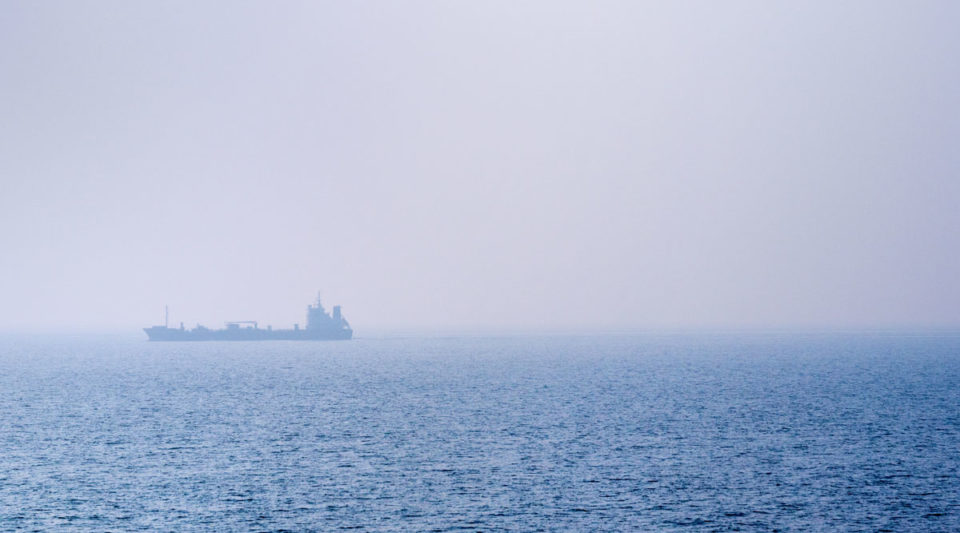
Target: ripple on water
{"points": [[752, 432]]}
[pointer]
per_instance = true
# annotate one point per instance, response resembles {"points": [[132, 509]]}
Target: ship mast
{"points": [[166, 316]]}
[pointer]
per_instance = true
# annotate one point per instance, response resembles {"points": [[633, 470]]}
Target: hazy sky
{"points": [[480, 164]]}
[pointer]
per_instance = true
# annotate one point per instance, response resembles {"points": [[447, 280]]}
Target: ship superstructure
{"points": [[321, 325]]}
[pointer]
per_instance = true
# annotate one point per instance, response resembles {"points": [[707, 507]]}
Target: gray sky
{"points": [[480, 164]]}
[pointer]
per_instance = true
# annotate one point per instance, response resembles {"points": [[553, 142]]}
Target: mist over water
{"points": [[490, 165], [614, 433], [677, 193]]}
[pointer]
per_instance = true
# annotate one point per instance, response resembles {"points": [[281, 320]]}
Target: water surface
{"points": [[643, 432]]}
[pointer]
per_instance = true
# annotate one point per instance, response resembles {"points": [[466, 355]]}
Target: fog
{"points": [[480, 165]]}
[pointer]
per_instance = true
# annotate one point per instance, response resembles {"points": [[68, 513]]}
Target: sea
{"points": [[728, 431]]}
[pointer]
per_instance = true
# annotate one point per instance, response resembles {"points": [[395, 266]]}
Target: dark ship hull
{"points": [[321, 326]]}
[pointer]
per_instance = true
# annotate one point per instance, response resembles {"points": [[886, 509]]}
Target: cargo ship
{"points": [[321, 326]]}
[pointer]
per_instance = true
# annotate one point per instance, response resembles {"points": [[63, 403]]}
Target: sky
{"points": [[495, 165]]}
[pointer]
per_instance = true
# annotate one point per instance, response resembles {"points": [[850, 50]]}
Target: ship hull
{"points": [[163, 334]]}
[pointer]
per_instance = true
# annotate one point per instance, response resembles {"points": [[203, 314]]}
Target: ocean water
{"points": [[749, 432]]}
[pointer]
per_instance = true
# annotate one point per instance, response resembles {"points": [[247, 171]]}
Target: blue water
{"points": [[668, 432]]}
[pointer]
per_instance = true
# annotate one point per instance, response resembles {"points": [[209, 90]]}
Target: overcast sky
{"points": [[480, 164]]}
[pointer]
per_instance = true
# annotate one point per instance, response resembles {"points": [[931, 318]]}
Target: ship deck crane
{"points": [[238, 322]]}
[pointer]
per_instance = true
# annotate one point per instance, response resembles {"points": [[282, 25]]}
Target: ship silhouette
{"points": [[321, 326]]}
